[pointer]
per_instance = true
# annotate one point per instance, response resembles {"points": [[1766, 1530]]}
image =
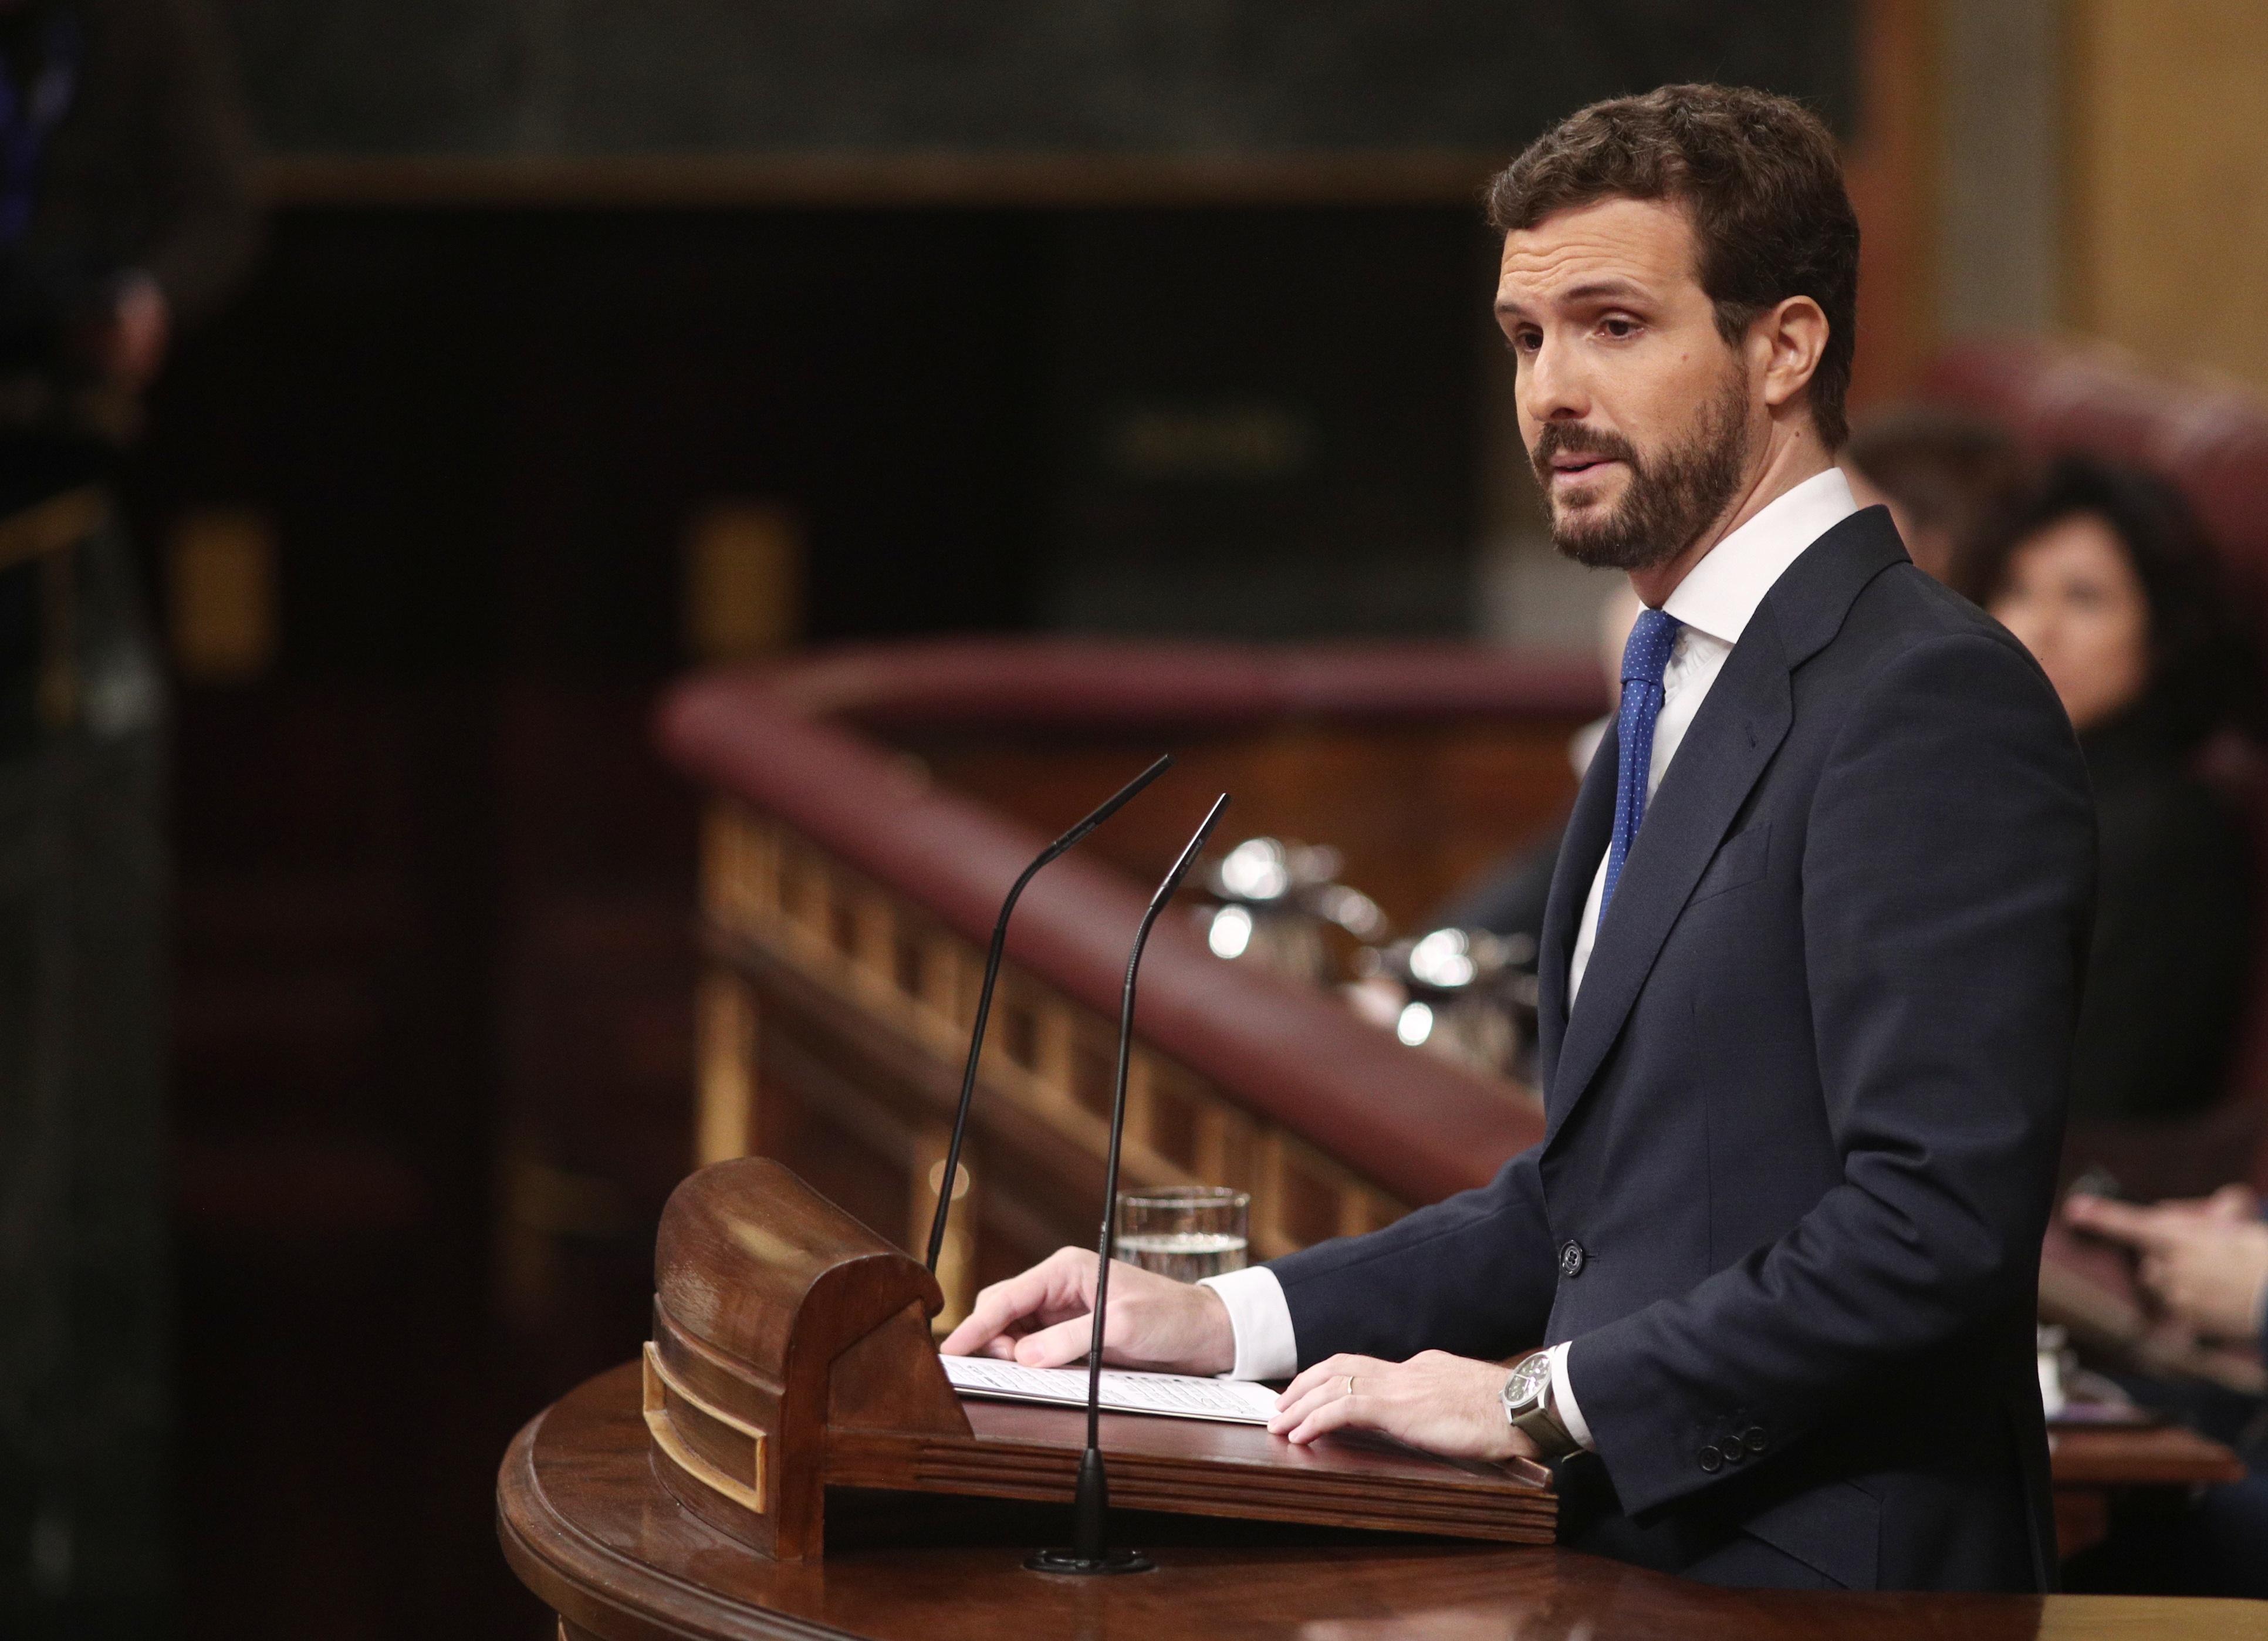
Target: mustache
{"points": [[1572, 438]]}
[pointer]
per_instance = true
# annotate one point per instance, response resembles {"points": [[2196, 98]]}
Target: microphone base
{"points": [[1070, 1561]]}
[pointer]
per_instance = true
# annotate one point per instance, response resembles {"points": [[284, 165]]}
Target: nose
{"points": [[1552, 387]]}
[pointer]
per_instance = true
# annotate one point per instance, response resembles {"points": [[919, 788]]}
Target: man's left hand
{"points": [[1450, 1405]]}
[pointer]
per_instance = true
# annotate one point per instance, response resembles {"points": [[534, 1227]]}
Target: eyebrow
{"points": [[1591, 291]]}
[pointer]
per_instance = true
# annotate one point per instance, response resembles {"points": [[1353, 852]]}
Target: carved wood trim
{"points": [[663, 1399]]}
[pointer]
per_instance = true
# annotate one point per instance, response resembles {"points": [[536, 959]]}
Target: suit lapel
{"points": [[1733, 738], [1739, 728], [1581, 847]]}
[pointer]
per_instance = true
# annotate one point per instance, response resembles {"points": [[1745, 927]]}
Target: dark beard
{"points": [[1670, 500]]}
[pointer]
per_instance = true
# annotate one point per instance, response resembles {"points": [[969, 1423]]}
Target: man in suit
{"points": [[1810, 963]]}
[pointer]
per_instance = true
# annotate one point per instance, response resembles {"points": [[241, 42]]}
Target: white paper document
{"points": [[1180, 1395]]}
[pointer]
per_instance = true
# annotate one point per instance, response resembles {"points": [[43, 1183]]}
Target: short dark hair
{"points": [[1761, 179], [2203, 675]]}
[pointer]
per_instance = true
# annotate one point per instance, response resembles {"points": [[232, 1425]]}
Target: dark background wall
{"points": [[599, 76]]}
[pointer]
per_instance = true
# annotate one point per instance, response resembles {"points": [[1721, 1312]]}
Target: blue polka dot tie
{"points": [[1644, 658]]}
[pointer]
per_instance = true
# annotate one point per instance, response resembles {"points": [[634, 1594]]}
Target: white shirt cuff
{"points": [[1563, 1399], [1260, 1320]]}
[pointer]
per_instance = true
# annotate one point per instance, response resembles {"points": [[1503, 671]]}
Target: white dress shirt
{"points": [[1713, 604]]}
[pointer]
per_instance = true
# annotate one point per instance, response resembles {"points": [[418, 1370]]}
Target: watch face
{"points": [[1527, 1380]]}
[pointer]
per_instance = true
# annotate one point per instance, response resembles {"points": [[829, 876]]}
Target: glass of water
{"points": [[1185, 1232]]}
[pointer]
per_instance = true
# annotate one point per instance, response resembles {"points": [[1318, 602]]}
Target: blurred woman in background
{"points": [[2105, 578]]}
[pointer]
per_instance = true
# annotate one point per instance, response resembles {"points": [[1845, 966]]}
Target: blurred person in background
{"points": [[1943, 474], [126, 212], [2104, 576], [2205, 1261]]}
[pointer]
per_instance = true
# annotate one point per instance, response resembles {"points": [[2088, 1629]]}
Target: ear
{"points": [[1785, 343]]}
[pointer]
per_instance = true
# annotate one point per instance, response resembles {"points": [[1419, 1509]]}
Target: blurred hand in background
{"points": [[2204, 1259]]}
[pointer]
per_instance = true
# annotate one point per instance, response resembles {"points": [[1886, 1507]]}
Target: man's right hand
{"points": [[1045, 1318]]}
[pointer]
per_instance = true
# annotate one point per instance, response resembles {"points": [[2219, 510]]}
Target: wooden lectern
{"points": [[585, 1523], [791, 1351]]}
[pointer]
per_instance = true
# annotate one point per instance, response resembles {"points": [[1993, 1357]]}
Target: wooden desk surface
{"points": [[587, 1527], [2161, 1455]]}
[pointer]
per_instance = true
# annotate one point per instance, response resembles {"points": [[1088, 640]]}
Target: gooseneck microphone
{"points": [[1089, 1552], [952, 1173]]}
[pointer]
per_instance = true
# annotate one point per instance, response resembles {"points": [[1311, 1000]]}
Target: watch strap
{"points": [[1540, 1424]]}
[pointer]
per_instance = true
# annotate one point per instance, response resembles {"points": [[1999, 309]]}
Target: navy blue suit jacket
{"points": [[1803, 1118]]}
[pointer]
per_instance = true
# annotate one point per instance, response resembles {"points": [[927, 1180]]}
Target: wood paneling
{"points": [[1889, 169], [1418, 809], [2168, 179], [866, 1001]]}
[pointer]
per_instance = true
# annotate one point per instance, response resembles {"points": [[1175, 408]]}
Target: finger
{"points": [[2234, 1202], [1334, 1386], [1344, 1412], [2122, 1222], [1002, 1306], [1057, 1346], [1309, 1379], [998, 1308], [1327, 1370], [1288, 1414]]}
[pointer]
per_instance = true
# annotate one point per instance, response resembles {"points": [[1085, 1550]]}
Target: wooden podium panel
{"points": [[1201, 1468], [586, 1525], [791, 1353]]}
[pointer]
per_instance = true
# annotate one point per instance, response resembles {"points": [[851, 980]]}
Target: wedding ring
{"points": [[1350, 1384]]}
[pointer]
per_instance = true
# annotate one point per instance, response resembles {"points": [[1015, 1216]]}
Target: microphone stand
{"points": [[1091, 1503], [952, 1173]]}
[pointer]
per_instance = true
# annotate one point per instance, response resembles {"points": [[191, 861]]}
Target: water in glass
{"points": [[1185, 1232]]}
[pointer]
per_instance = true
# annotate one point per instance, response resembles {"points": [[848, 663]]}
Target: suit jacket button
{"points": [[1712, 1461], [1571, 1259], [1753, 1438]]}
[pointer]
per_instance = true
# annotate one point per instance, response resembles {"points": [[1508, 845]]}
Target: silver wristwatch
{"points": [[1528, 1405]]}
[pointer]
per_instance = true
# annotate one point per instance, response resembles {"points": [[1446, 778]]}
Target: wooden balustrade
{"points": [[837, 1013]]}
